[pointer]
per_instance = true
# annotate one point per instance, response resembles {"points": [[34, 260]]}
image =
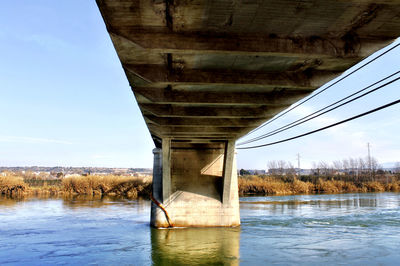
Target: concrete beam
{"points": [[197, 129], [202, 43], [161, 74], [210, 122], [166, 96], [204, 139], [232, 111], [207, 137], [195, 135]]}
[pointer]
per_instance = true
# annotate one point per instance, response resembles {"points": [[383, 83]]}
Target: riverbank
{"points": [[132, 187], [275, 186], [127, 186]]}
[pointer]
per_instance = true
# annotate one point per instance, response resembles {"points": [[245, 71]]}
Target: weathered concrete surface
{"points": [[205, 73], [190, 62], [202, 183]]}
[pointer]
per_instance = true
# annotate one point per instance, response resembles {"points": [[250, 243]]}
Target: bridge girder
{"points": [[228, 62]]}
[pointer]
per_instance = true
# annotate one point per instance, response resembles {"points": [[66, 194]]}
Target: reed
{"points": [[107, 185], [276, 186], [374, 186], [12, 185], [261, 185], [300, 187], [127, 186], [132, 187], [392, 186]]}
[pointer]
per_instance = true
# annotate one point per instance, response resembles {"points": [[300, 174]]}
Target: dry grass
{"points": [[106, 185], [126, 186], [393, 186], [256, 185], [374, 186], [300, 187], [12, 185], [272, 186], [132, 187]]}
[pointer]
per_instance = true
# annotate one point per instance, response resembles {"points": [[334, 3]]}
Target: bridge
{"points": [[205, 73]]}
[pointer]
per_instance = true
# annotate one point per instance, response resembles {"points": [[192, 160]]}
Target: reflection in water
{"points": [[95, 201], [324, 202], [321, 203], [355, 229], [71, 201], [10, 201], [205, 246]]}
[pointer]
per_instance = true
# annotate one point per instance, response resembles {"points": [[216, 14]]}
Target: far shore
{"points": [[264, 185], [133, 187], [111, 185]]}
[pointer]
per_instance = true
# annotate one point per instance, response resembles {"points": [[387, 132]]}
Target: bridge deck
{"points": [[214, 70]]}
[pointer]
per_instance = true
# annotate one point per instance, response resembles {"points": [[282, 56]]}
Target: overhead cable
{"points": [[329, 86], [299, 121], [323, 128]]}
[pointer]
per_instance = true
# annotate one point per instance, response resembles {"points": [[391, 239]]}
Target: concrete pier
{"points": [[196, 184]]}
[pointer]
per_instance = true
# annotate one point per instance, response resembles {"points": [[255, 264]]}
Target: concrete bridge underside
{"points": [[204, 73]]}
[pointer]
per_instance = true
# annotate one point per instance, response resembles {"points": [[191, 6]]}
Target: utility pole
{"points": [[298, 164]]}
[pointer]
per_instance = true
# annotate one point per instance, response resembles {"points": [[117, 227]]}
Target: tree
{"points": [[291, 171], [374, 166], [397, 167], [345, 165], [243, 172], [353, 165], [281, 167], [315, 169], [324, 168], [272, 167], [362, 166], [337, 165]]}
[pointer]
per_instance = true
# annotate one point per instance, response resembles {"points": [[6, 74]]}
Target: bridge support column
{"points": [[195, 184]]}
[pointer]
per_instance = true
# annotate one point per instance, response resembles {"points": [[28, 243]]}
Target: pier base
{"points": [[195, 185]]}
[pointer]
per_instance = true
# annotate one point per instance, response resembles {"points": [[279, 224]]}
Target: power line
{"points": [[288, 126], [323, 128], [334, 83], [297, 122]]}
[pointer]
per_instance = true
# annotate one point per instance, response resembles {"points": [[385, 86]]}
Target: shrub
{"points": [[12, 185], [300, 187], [106, 185], [374, 186]]}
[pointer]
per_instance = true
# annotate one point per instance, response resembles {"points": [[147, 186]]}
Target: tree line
{"points": [[352, 169]]}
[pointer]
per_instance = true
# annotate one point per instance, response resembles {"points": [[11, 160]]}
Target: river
{"points": [[357, 229]]}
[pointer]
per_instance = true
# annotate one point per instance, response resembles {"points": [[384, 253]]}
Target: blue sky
{"points": [[64, 100]]}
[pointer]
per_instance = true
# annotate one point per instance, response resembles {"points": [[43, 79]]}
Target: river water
{"points": [[356, 229]]}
